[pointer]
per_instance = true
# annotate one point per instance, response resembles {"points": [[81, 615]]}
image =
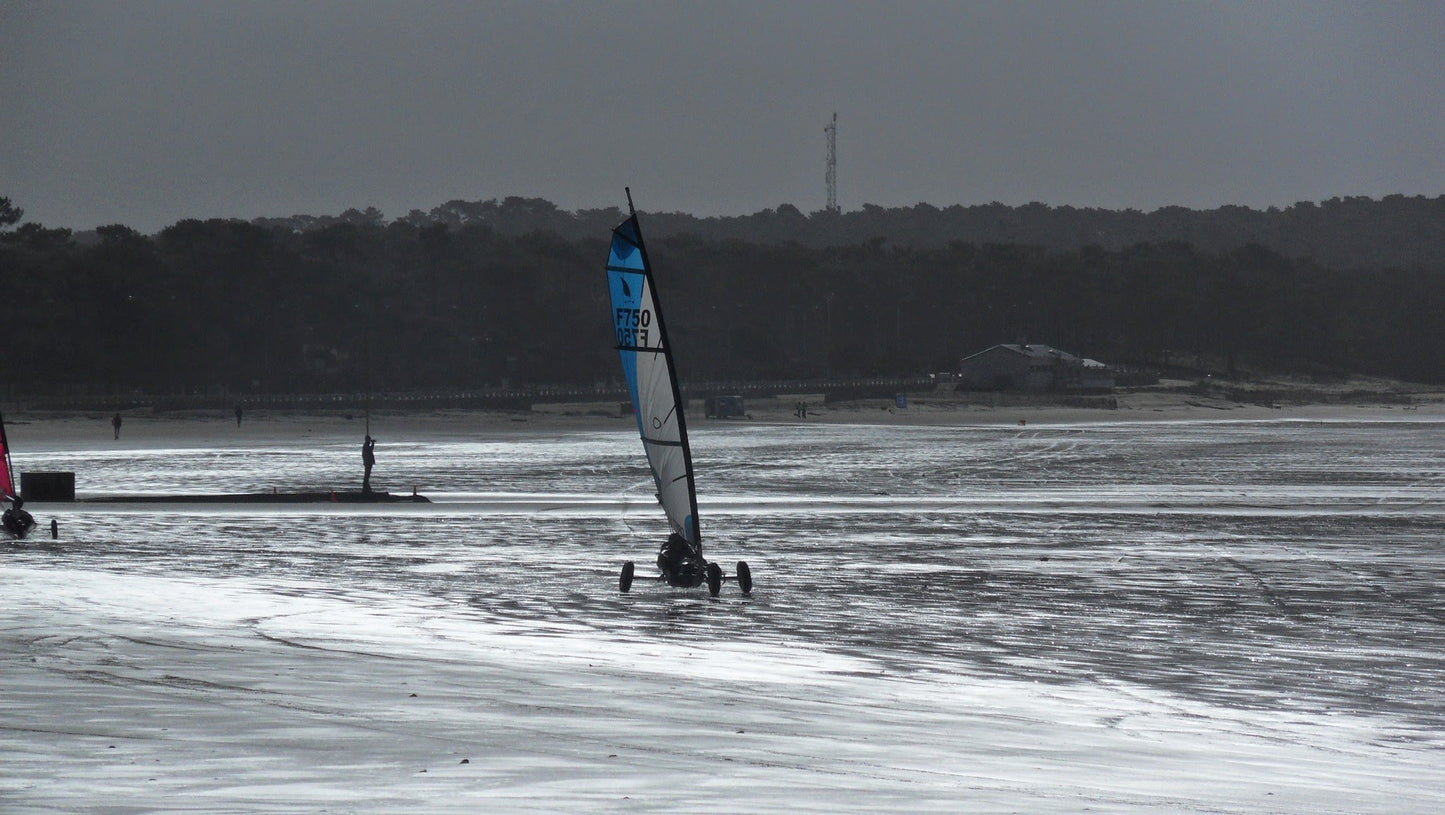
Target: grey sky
{"points": [[144, 113]]}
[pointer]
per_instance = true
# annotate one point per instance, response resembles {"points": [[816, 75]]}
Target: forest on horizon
{"points": [[481, 294]]}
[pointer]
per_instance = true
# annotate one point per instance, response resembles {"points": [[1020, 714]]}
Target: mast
{"points": [[366, 373]]}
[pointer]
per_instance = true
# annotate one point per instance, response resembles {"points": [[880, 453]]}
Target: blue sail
{"points": [[651, 379]]}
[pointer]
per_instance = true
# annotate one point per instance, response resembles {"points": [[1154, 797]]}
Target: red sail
{"points": [[7, 482]]}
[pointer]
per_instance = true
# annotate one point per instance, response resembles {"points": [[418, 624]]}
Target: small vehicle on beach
{"points": [[647, 364]]}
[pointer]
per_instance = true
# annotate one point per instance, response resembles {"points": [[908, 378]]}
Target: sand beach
{"points": [[1170, 401], [1184, 602]]}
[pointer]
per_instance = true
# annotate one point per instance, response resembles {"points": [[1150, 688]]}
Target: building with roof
{"points": [[1032, 367]]}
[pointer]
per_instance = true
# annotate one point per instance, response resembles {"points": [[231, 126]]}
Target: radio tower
{"points": [[832, 174]]}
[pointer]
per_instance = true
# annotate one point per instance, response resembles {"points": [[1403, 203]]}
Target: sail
{"points": [[7, 479], [651, 380]]}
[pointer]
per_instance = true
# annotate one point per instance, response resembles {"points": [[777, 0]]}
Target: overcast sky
{"points": [[144, 113]]}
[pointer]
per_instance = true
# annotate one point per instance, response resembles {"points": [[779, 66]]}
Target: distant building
{"points": [[724, 407], [1032, 368]]}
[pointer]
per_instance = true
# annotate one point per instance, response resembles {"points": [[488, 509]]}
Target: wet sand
{"points": [[81, 430], [1137, 617]]}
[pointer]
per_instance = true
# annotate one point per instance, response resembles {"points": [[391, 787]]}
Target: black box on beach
{"points": [[41, 487]]}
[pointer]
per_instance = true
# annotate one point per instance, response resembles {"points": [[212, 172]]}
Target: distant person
{"points": [[368, 460], [115, 423], [238, 415], [17, 521]]}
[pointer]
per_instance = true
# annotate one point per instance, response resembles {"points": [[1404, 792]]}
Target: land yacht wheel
{"points": [[714, 579], [625, 581], [745, 577]]}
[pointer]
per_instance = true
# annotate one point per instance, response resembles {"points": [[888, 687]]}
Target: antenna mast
{"points": [[832, 174]]}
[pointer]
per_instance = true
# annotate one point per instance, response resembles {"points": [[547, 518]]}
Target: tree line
{"points": [[1351, 232], [420, 303]]}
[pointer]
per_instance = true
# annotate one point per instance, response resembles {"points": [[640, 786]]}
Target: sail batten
{"points": [[647, 364]]}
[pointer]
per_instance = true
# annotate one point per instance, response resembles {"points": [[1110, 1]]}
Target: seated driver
{"points": [[678, 561], [18, 520]]}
